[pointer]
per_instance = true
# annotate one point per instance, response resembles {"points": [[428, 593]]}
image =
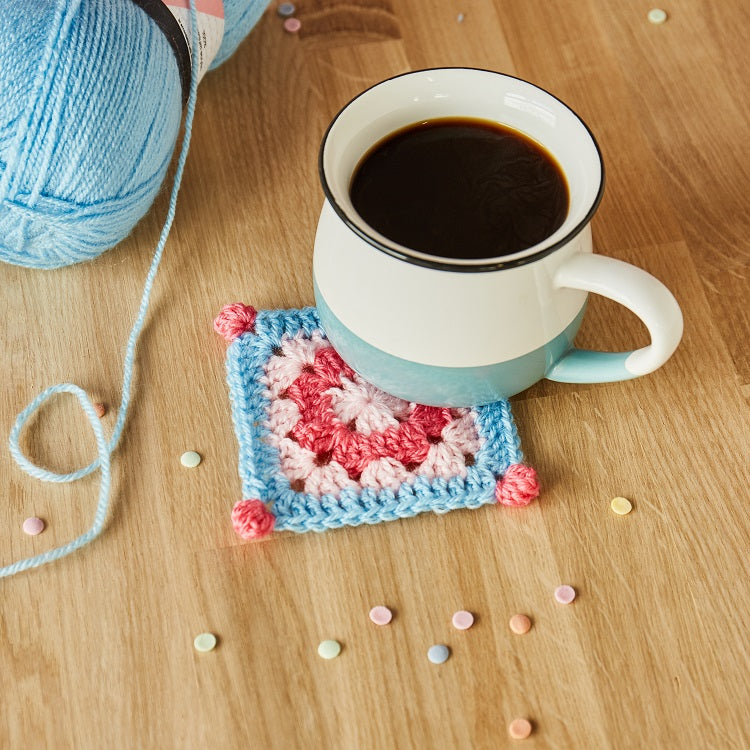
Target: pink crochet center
{"points": [[518, 487], [334, 430], [234, 320], [252, 520]]}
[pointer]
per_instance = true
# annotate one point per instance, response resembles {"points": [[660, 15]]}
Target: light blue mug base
{"points": [[443, 386]]}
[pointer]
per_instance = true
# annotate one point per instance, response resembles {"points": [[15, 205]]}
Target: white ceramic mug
{"points": [[455, 332]]}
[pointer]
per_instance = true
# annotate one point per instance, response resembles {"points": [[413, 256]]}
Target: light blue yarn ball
{"points": [[90, 110]]}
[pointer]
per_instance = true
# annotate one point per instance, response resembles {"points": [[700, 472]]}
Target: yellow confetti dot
{"points": [[621, 505]]}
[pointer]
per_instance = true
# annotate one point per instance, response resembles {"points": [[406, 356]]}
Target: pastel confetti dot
{"points": [[520, 624], [33, 526], [565, 594], [657, 16], [292, 25], [438, 654], [519, 729], [463, 620], [286, 9], [621, 505], [205, 642], [100, 409], [381, 615], [329, 649], [190, 459]]}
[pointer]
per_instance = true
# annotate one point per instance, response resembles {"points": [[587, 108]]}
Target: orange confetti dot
{"points": [[520, 624]]}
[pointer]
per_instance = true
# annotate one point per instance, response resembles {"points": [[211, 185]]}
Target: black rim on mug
{"points": [[422, 259]]}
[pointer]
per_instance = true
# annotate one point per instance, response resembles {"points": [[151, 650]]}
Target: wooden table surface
{"points": [[97, 649]]}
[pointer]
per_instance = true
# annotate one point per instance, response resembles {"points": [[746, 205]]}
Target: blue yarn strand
{"points": [[104, 448]]}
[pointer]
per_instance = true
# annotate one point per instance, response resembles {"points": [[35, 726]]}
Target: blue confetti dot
{"points": [[438, 653]]}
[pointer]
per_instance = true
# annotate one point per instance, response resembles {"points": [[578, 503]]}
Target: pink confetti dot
{"points": [[292, 25], [565, 594], [463, 620], [381, 615], [33, 526], [520, 729]]}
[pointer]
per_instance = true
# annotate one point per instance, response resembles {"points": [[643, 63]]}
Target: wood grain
{"points": [[96, 650]]}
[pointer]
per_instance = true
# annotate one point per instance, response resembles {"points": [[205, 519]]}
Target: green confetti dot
{"points": [[205, 642], [190, 459], [329, 649], [657, 16]]}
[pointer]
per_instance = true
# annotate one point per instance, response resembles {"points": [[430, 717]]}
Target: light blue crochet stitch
{"points": [[260, 466]]}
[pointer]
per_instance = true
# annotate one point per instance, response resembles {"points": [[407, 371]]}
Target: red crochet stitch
{"points": [[518, 487], [234, 320], [320, 431], [252, 520]]}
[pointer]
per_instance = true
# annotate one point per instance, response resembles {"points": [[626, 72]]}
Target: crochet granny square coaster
{"points": [[321, 448]]}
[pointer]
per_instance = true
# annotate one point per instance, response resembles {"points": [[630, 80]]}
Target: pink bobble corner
{"points": [[234, 320], [252, 520], [518, 487]]}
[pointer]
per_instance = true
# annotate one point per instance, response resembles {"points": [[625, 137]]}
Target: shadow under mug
{"points": [[457, 332]]}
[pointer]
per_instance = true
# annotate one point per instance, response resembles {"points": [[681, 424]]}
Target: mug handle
{"points": [[640, 292]]}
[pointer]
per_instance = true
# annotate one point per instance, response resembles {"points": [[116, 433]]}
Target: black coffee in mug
{"points": [[460, 188]]}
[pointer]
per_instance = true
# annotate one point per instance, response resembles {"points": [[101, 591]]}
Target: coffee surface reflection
{"points": [[462, 188]]}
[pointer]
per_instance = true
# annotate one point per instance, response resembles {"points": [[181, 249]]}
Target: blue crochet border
{"points": [[259, 465]]}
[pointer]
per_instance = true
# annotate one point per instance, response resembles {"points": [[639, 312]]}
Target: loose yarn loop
{"points": [[90, 111], [518, 487], [104, 448], [103, 463]]}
